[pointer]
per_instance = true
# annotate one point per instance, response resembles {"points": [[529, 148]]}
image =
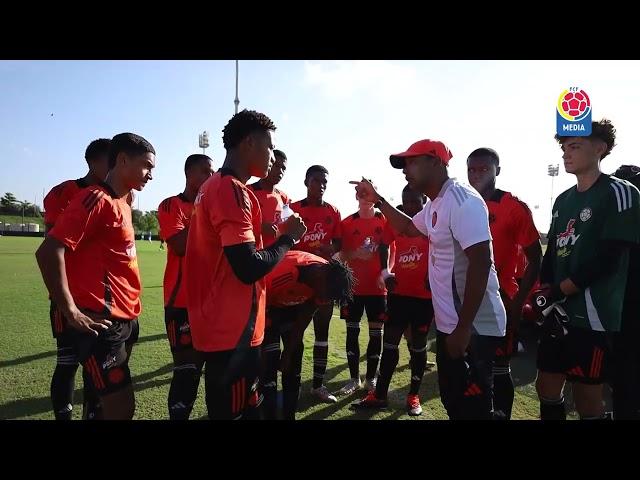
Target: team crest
{"points": [[585, 214], [434, 219]]}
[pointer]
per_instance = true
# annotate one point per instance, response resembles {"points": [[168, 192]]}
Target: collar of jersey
{"points": [[305, 203], [109, 190], [444, 188], [227, 171]]}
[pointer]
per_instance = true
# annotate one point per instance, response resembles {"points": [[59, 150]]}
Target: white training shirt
{"points": [[455, 220]]}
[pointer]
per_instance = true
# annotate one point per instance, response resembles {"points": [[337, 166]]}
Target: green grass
{"points": [[27, 352]]}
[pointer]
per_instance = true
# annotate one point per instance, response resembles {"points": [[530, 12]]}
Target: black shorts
{"points": [[105, 357], [231, 384], [583, 355], [406, 311], [281, 318], [375, 305], [176, 321], [466, 383]]}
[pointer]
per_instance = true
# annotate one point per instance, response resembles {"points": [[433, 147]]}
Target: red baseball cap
{"points": [[433, 148]]}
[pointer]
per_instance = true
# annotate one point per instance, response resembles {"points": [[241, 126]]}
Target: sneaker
{"points": [[430, 365], [413, 405], [370, 402], [353, 385], [323, 394], [370, 385]]}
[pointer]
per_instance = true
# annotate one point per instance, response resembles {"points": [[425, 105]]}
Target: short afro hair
{"points": [[97, 148], [315, 168], [129, 143], [194, 160], [279, 154], [486, 152], [243, 124]]}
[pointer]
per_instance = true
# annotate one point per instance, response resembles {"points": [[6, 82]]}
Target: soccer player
{"points": [[625, 379], [174, 215], [225, 269], [271, 199], [365, 252], [323, 238], [89, 264], [583, 276], [63, 379], [469, 314], [409, 308], [295, 289], [512, 228]]}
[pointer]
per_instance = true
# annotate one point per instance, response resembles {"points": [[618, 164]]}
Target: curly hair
{"points": [[340, 281], [243, 124], [602, 130]]}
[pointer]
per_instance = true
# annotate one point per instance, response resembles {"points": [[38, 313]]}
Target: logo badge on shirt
{"points": [[434, 219], [315, 235], [410, 258], [568, 237], [585, 214]]}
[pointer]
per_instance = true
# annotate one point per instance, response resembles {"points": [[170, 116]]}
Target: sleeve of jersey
{"points": [[80, 219], [526, 231], [231, 213], [337, 221], [470, 222], [170, 219], [622, 221], [420, 221], [388, 234], [51, 208]]}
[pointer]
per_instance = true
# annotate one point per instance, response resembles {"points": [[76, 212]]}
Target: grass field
{"points": [[27, 352]]}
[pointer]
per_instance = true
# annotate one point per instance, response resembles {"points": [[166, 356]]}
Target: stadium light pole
{"points": [[237, 100], [203, 141], [552, 171]]}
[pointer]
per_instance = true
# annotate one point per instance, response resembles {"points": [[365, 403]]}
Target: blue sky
{"points": [[346, 115]]}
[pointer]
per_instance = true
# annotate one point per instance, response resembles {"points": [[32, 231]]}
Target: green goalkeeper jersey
{"points": [[609, 210]]}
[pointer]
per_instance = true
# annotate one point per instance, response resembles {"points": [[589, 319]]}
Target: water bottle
{"points": [[286, 213]]}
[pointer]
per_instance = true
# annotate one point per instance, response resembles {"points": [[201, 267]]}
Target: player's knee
{"points": [[547, 388], [119, 405]]}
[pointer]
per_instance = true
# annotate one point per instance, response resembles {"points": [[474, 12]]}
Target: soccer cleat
{"points": [[413, 405], [370, 402], [353, 385], [323, 394], [370, 385]]}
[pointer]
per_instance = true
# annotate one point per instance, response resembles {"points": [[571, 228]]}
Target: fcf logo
{"points": [[573, 113]]}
